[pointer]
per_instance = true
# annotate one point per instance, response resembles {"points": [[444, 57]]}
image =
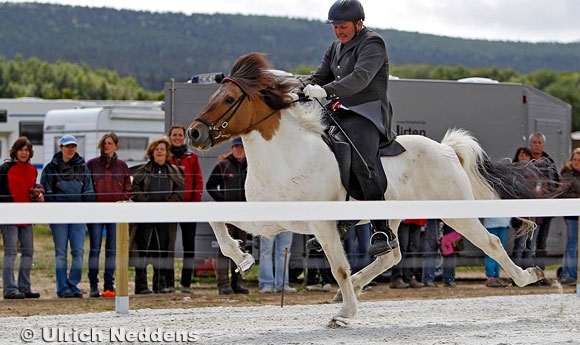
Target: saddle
{"points": [[339, 144]]}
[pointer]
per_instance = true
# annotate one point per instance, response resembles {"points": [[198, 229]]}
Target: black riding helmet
{"points": [[344, 11]]}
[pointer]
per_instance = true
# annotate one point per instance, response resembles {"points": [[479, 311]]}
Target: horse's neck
{"points": [[292, 151]]}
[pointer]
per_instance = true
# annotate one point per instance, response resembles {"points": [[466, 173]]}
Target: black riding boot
{"points": [[383, 239]]}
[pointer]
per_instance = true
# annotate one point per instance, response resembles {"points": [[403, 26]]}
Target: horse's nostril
{"points": [[194, 134]]}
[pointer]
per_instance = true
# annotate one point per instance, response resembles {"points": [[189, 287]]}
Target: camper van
{"points": [[135, 125], [25, 117], [499, 115]]}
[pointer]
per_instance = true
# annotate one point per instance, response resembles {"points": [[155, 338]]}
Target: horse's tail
{"points": [[496, 180], [472, 158]]}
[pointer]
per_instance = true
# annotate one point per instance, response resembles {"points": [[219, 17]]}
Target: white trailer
{"points": [[135, 125], [25, 117]]}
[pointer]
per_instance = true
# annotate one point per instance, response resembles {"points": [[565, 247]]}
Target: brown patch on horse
{"points": [[343, 273]]}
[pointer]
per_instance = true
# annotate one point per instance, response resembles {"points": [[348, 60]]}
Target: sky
{"points": [[506, 20]]}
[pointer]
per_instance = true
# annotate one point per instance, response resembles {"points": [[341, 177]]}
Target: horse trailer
{"points": [[499, 115]]}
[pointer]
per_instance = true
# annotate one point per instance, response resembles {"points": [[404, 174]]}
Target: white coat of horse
{"points": [[289, 161]]}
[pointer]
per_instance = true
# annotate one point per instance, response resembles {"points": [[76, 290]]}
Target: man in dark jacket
{"points": [[353, 76]]}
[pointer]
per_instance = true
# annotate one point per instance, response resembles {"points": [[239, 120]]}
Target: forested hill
{"points": [[154, 47]]}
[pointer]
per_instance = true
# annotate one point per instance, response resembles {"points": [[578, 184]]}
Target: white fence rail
{"points": [[130, 212]]}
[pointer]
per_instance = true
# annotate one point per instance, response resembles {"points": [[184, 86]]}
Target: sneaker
{"points": [[109, 293], [77, 294], [288, 289], [451, 284], [398, 284], [94, 292], [319, 287], [185, 289], [430, 284], [266, 289], [66, 295], [143, 292], [415, 284], [168, 290], [31, 294], [226, 290], [240, 290], [495, 282], [568, 281]]}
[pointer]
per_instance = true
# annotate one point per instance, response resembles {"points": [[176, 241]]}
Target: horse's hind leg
{"points": [[491, 245]]}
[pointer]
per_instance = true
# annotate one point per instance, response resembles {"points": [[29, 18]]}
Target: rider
{"points": [[353, 76]]}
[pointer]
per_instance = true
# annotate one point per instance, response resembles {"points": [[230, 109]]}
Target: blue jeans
{"points": [[357, 245], [430, 250], [95, 241], [570, 260], [270, 276], [492, 268], [62, 234], [11, 235]]}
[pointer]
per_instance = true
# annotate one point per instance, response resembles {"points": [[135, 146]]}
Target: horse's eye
{"points": [[230, 100]]}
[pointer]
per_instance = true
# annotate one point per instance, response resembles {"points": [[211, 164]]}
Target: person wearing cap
{"points": [[227, 183], [353, 77], [67, 179]]}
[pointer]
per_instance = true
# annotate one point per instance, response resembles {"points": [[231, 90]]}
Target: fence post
{"points": [[122, 269]]}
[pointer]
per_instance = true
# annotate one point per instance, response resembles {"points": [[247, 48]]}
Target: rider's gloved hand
{"points": [[314, 91]]}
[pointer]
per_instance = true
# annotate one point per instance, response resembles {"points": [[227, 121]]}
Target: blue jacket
{"points": [[67, 182]]}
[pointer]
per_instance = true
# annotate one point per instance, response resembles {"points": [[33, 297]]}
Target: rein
{"points": [[215, 131]]}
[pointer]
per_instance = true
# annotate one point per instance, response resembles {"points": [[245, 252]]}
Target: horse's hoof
{"points": [[337, 322], [246, 265]]}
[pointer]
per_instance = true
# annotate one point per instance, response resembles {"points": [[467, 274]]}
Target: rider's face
{"points": [[345, 31]]}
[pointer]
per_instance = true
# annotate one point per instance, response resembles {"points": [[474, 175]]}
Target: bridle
{"points": [[215, 131]]}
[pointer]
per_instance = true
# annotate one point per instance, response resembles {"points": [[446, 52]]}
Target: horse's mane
{"points": [[252, 73]]}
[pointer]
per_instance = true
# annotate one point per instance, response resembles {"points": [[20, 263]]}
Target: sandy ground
{"points": [[525, 319]]}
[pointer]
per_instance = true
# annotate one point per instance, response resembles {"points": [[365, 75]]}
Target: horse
{"points": [[288, 160]]}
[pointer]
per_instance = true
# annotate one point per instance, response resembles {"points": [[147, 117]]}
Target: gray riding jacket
{"points": [[357, 75]]}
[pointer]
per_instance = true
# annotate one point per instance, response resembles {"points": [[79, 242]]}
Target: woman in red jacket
{"points": [[182, 156], [18, 184]]}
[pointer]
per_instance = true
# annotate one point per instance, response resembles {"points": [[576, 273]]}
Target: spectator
{"points": [[405, 273], [571, 181], [155, 181], [356, 246], [548, 168], [275, 278], [450, 243], [497, 227], [318, 273], [18, 184], [521, 249], [182, 156], [67, 179], [226, 183], [112, 183]]}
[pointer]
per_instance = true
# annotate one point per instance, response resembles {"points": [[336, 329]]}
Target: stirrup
{"points": [[381, 245]]}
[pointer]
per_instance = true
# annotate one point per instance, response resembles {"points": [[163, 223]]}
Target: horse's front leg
{"points": [[332, 246], [231, 248]]}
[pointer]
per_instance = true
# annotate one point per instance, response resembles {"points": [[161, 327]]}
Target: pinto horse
{"points": [[288, 160]]}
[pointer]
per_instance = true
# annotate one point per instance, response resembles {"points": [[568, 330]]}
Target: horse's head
{"points": [[249, 99]]}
